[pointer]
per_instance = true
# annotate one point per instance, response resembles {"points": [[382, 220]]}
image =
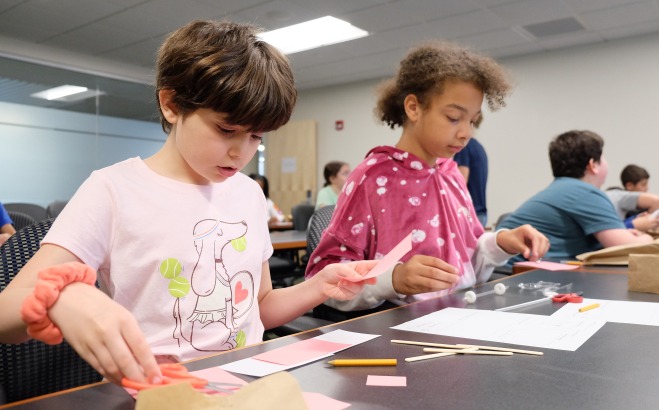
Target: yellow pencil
{"points": [[589, 307], [363, 362], [578, 263]]}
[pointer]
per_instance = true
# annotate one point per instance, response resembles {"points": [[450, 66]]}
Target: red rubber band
{"points": [[52, 280]]}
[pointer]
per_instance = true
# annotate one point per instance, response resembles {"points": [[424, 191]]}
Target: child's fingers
{"points": [[143, 355]]}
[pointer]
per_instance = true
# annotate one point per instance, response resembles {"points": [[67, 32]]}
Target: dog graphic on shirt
{"points": [[206, 318]]}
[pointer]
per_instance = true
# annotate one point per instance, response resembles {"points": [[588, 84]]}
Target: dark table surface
{"points": [[615, 369]]}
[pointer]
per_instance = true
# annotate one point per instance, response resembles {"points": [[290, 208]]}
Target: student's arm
{"points": [[648, 201], [280, 306], [643, 222], [464, 170], [103, 333], [615, 237]]}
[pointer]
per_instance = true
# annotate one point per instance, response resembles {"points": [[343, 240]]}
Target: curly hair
{"points": [[224, 66], [427, 67], [571, 152]]}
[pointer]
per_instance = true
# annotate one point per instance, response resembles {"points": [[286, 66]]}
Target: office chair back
{"points": [[37, 212], [54, 208], [317, 224], [34, 368], [301, 214], [20, 220]]}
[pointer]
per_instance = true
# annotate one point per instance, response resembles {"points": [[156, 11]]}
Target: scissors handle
{"points": [[568, 297], [172, 373]]}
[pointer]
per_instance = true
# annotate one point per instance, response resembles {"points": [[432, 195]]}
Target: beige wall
{"points": [[612, 89]]}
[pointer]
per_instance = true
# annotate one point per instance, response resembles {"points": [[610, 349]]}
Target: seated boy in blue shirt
{"points": [[573, 212]]}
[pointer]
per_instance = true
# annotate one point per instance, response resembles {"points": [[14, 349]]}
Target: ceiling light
{"points": [[59, 92], [312, 34]]}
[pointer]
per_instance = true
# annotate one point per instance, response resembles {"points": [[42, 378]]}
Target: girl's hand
{"points": [[104, 334], [336, 287], [423, 274], [524, 239]]}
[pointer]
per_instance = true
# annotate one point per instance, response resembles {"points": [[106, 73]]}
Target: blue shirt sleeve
{"points": [[4, 216]]}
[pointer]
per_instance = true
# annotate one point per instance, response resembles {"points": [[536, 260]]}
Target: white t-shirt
{"points": [[184, 259], [623, 201]]}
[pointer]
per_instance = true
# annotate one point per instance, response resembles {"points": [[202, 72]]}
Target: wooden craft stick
{"points": [[428, 356], [503, 349], [410, 342], [467, 351]]}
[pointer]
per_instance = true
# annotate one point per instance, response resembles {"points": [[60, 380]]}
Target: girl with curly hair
{"points": [[415, 187]]}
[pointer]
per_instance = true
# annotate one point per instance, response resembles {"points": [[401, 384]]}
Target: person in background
{"points": [[336, 173], [472, 164], [573, 212], [274, 213], [634, 204], [415, 187], [6, 225], [179, 239]]}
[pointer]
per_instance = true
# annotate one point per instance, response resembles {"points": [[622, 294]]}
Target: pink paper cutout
{"points": [[213, 375], [552, 266], [388, 261], [300, 352], [317, 401], [389, 381]]}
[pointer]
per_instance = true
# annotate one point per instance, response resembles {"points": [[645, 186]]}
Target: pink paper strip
{"points": [[552, 266], [300, 352], [389, 260]]}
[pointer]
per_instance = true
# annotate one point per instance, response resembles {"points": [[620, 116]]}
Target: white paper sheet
{"points": [[636, 313], [507, 327]]}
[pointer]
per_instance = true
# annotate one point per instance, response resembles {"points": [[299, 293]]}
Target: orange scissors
{"points": [[177, 373], [568, 297]]}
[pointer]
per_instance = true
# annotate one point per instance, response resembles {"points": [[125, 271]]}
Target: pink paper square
{"points": [[300, 352], [317, 401], [390, 381]]}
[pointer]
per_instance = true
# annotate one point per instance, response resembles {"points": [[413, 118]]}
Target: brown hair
{"points": [[427, 67], [633, 174], [571, 152], [332, 169], [224, 66]]}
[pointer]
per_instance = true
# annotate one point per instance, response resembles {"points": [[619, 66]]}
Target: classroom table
{"points": [[280, 226], [614, 369], [289, 240]]}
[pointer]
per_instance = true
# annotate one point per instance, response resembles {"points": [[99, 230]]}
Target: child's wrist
{"points": [[34, 311]]}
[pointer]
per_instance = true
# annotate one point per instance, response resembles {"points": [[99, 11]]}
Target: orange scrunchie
{"points": [[34, 311]]}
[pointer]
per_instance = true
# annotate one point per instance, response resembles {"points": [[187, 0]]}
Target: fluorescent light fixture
{"points": [[59, 92], [312, 34]]}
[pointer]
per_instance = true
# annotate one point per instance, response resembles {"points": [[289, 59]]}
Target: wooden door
{"points": [[290, 163]]}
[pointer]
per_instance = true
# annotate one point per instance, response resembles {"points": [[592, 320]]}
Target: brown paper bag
{"points": [[277, 391], [643, 273], [618, 255]]}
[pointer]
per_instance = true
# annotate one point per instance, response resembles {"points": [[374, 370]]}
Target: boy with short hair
{"points": [[572, 211], [633, 203]]}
